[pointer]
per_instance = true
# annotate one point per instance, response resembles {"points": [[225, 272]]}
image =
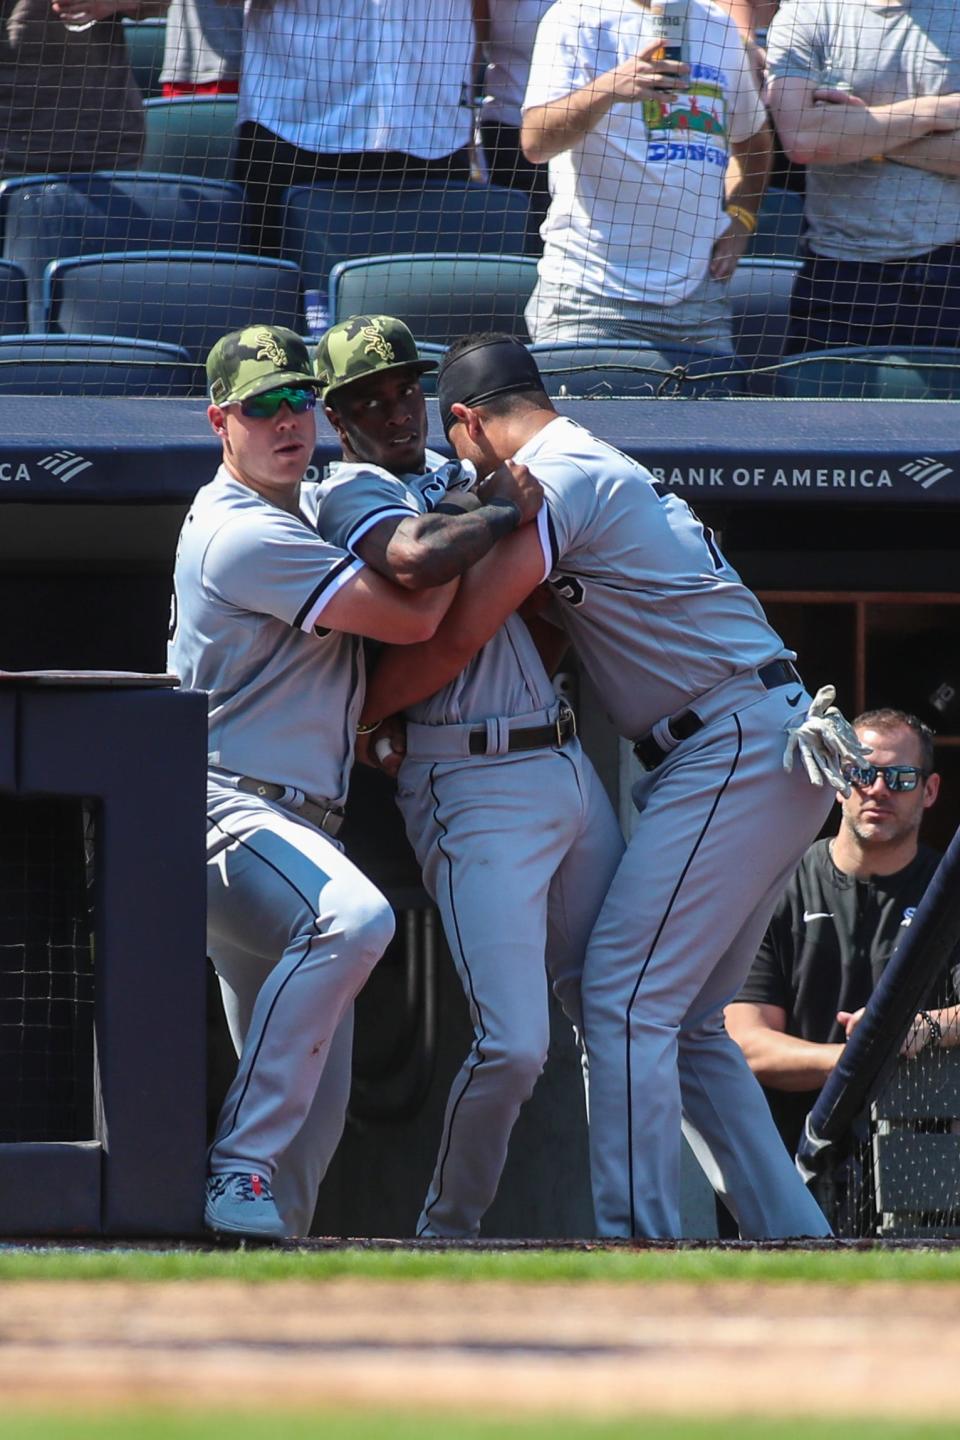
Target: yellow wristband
{"points": [[746, 217], [368, 729]]}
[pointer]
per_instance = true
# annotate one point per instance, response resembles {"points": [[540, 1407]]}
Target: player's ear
{"points": [[466, 417], [335, 421], [217, 418], [931, 790]]}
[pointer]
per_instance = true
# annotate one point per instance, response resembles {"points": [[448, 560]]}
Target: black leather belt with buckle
{"points": [[650, 752], [325, 817], [531, 737]]}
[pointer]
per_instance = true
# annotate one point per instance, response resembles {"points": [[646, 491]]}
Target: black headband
{"points": [[482, 372]]}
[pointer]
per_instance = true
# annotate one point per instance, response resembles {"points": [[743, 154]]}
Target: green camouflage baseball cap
{"points": [[366, 345], [261, 357]]}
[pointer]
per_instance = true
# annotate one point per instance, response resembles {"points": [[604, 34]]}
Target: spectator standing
{"points": [[839, 921], [657, 169], [867, 96], [58, 63], [352, 90], [203, 48]]}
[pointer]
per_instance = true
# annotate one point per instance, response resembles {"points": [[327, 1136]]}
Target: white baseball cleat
{"points": [[242, 1204]]}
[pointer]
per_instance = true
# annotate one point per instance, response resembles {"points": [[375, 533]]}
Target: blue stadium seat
{"points": [[603, 369], [191, 135], [760, 299], [95, 365], [328, 223], [13, 299], [52, 217], [146, 41], [872, 372], [187, 298], [438, 296], [780, 225]]}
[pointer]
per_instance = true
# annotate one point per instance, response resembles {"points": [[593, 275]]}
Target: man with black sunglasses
{"points": [[266, 619], [838, 923]]}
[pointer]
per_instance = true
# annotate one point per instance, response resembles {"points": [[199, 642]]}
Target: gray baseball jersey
{"points": [[507, 676], [250, 584], [293, 927], [512, 846], [657, 614], [664, 625]]}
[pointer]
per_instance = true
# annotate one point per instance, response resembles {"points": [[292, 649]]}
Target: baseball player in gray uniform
{"points": [[516, 838], [690, 671], [266, 619]]}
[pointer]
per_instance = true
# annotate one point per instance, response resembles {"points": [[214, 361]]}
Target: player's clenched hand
{"points": [[514, 483], [644, 77]]}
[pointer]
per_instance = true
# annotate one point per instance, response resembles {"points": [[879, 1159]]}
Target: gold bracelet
{"points": [[368, 729], [746, 217]]}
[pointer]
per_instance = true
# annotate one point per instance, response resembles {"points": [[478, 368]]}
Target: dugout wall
{"points": [[102, 1043]]}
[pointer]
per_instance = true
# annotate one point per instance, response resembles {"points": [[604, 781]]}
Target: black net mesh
{"points": [[46, 970], [304, 144]]}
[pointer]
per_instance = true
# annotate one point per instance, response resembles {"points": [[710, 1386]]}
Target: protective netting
{"points": [[46, 970], [901, 1177], [168, 173]]}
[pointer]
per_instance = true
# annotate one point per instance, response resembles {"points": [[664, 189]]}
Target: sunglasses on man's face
{"points": [[895, 777], [264, 407]]}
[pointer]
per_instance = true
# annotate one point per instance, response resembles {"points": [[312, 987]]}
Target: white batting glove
{"points": [[826, 741]]}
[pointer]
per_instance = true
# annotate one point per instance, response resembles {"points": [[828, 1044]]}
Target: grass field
{"points": [[407, 1343], [387, 1425], [830, 1266]]}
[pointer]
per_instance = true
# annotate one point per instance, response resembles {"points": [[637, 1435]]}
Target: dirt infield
{"points": [[729, 1349]]}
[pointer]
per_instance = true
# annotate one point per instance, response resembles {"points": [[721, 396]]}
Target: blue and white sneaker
{"points": [[242, 1204]]}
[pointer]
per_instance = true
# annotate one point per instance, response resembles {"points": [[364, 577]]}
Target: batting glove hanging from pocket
{"points": [[826, 742]]}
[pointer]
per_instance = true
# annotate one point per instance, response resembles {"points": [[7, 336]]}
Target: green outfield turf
{"points": [[827, 1266], [386, 1425]]}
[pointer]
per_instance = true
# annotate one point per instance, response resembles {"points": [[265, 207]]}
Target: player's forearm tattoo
{"points": [[448, 545]]}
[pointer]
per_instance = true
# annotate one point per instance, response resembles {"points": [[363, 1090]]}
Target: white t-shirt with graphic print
{"points": [[638, 202]]}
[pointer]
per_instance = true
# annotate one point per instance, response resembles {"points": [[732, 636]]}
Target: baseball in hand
{"points": [[383, 749]]}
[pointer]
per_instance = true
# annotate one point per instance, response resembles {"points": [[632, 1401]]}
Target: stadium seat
{"points": [[632, 368], [95, 365], [190, 135], [872, 372], [327, 223], [145, 40], [780, 224], [53, 217], [187, 298], [438, 296], [760, 299], [13, 299]]}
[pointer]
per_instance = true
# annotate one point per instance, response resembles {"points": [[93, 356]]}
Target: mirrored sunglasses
{"points": [[265, 406], [895, 777]]}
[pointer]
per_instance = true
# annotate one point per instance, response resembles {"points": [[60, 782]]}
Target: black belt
{"points": [[326, 817], [530, 737], [650, 752]]}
